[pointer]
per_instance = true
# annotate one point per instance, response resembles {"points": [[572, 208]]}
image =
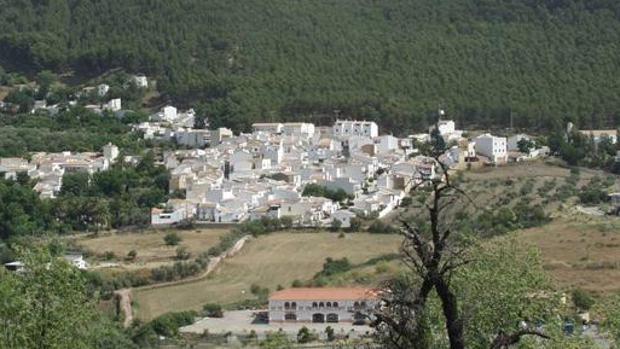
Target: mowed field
{"points": [[268, 261], [580, 251], [149, 244]]}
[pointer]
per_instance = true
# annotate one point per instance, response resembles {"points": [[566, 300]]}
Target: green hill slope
{"points": [[395, 61]]}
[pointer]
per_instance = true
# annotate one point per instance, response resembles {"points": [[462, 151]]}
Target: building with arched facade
{"points": [[322, 305]]}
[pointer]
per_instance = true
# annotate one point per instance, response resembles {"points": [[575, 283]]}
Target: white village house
{"points": [[494, 148]]}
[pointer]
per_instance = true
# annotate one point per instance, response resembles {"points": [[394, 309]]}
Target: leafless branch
{"points": [[504, 340]]}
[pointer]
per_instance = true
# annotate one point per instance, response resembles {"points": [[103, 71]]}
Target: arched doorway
{"points": [[318, 317], [332, 317], [359, 319]]}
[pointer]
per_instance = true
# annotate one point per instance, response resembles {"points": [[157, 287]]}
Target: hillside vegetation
{"points": [[395, 61]]}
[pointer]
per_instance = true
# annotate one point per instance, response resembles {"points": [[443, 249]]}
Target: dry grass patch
{"points": [[268, 261], [150, 246], [581, 252]]}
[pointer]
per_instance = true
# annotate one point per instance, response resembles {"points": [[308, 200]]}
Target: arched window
{"points": [[287, 305], [318, 317], [332, 318], [356, 304], [321, 305], [314, 304], [293, 305], [363, 304], [329, 304], [335, 304], [290, 317]]}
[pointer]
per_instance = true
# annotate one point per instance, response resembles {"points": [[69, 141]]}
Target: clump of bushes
{"points": [[594, 193], [317, 190], [582, 300], [212, 310], [379, 227], [334, 266], [306, 336], [172, 239], [166, 325]]}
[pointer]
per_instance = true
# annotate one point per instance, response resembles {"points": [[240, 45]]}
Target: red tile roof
{"points": [[325, 294]]}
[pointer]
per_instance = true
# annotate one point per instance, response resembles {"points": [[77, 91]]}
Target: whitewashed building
{"points": [[322, 305], [141, 81], [268, 127], [492, 147], [355, 128], [102, 90], [113, 105]]}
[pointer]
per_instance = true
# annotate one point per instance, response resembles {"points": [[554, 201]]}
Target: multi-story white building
{"points": [[268, 127], [492, 147], [320, 305], [355, 128], [445, 127]]}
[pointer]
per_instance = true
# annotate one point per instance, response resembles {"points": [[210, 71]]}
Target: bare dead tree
{"points": [[432, 252], [429, 254], [505, 340]]}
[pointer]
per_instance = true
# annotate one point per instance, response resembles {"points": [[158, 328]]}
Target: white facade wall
{"points": [[300, 129], [311, 311], [110, 152], [271, 127], [492, 147], [169, 113], [357, 128], [113, 105], [166, 218], [446, 127], [102, 90], [387, 143], [192, 138], [141, 81], [274, 153]]}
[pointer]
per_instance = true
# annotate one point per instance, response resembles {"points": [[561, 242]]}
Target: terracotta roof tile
{"points": [[308, 294]]}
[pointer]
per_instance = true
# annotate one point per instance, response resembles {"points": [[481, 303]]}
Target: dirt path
{"points": [[124, 295], [124, 305]]}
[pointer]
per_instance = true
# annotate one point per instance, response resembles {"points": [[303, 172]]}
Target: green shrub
{"points": [[305, 336], [334, 266], [172, 239], [182, 253], [212, 310], [132, 255], [379, 227], [582, 300]]}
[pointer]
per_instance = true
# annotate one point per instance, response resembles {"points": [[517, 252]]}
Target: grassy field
{"points": [[150, 246], [580, 251], [268, 261]]}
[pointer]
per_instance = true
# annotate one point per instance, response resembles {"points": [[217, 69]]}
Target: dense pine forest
{"points": [[543, 62]]}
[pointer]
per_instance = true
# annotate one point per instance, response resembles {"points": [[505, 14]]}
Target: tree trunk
{"points": [[454, 323], [421, 332]]}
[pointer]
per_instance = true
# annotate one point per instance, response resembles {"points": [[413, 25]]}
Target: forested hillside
{"points": [[395, 61]]}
